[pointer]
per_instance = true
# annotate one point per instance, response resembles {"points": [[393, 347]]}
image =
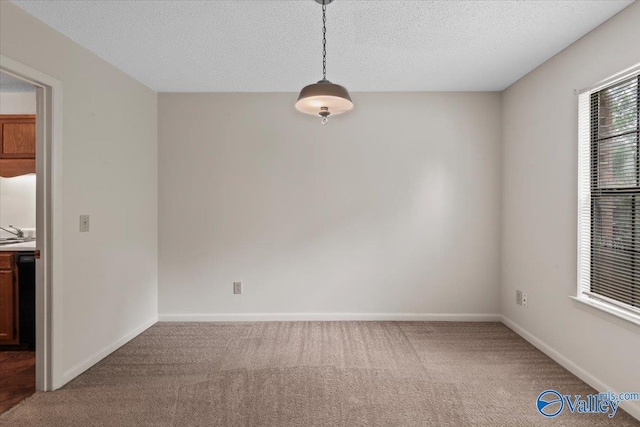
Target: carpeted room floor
{"points": [[314, 374]]}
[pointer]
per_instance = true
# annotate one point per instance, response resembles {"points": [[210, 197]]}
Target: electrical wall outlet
{"points": [[84, 223], [525, 300], [518, 297], [237, 288]]}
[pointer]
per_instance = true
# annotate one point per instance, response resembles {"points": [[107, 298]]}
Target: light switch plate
{"points": [[84, 223], [237, 288]]}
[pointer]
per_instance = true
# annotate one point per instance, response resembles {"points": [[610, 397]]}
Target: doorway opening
{"points": [[30, 244], [17, 240]]}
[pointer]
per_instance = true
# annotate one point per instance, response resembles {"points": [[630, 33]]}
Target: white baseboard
{"points": [[98, 356], [257, 317], [632, 407]]}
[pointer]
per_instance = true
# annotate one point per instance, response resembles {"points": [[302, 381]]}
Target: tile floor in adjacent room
{"points": [[17, 377]]}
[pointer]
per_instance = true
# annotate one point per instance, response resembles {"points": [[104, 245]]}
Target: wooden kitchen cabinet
{"points": [[8, 300], [17, 144]]}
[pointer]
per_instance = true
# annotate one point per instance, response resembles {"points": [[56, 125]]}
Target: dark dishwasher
{"points": [[26, 263]]}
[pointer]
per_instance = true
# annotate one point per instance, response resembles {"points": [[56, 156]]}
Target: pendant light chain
{"points": [[324, 98], [324, 41]]}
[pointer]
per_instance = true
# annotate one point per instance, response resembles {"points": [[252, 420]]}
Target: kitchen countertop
{"points": [[19, 247]]}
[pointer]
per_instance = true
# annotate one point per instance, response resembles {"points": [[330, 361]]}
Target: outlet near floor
{"points": [[521, 298]]}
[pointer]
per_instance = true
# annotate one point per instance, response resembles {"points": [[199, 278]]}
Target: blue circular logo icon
{"points": [[550, 403]]}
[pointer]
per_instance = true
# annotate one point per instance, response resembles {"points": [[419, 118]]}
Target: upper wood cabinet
{"points": [[17, 145]]}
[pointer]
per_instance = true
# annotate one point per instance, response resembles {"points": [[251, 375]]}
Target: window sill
{"points": [[608, 308]]}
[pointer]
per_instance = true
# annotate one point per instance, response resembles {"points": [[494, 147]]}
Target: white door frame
{"points": [[49, 366]]}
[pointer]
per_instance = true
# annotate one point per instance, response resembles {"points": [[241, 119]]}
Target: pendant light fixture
{"points": [[324, 98]]}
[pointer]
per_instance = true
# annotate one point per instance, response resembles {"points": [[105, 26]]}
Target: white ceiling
{"points": [[267, 46]]}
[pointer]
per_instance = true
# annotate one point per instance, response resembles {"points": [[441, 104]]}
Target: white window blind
{"points": [[609, 194]]}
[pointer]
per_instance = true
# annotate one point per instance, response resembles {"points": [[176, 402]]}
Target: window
{"points": [[609, 195]]}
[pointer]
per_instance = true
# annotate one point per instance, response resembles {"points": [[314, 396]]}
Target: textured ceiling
{"points": [[266, 46], [9, 84]]}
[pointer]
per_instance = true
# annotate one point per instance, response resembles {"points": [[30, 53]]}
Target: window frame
{"points": [[588, 164]]}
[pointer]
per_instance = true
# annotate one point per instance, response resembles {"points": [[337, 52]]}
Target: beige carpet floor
{"points": [[314, 374]]}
